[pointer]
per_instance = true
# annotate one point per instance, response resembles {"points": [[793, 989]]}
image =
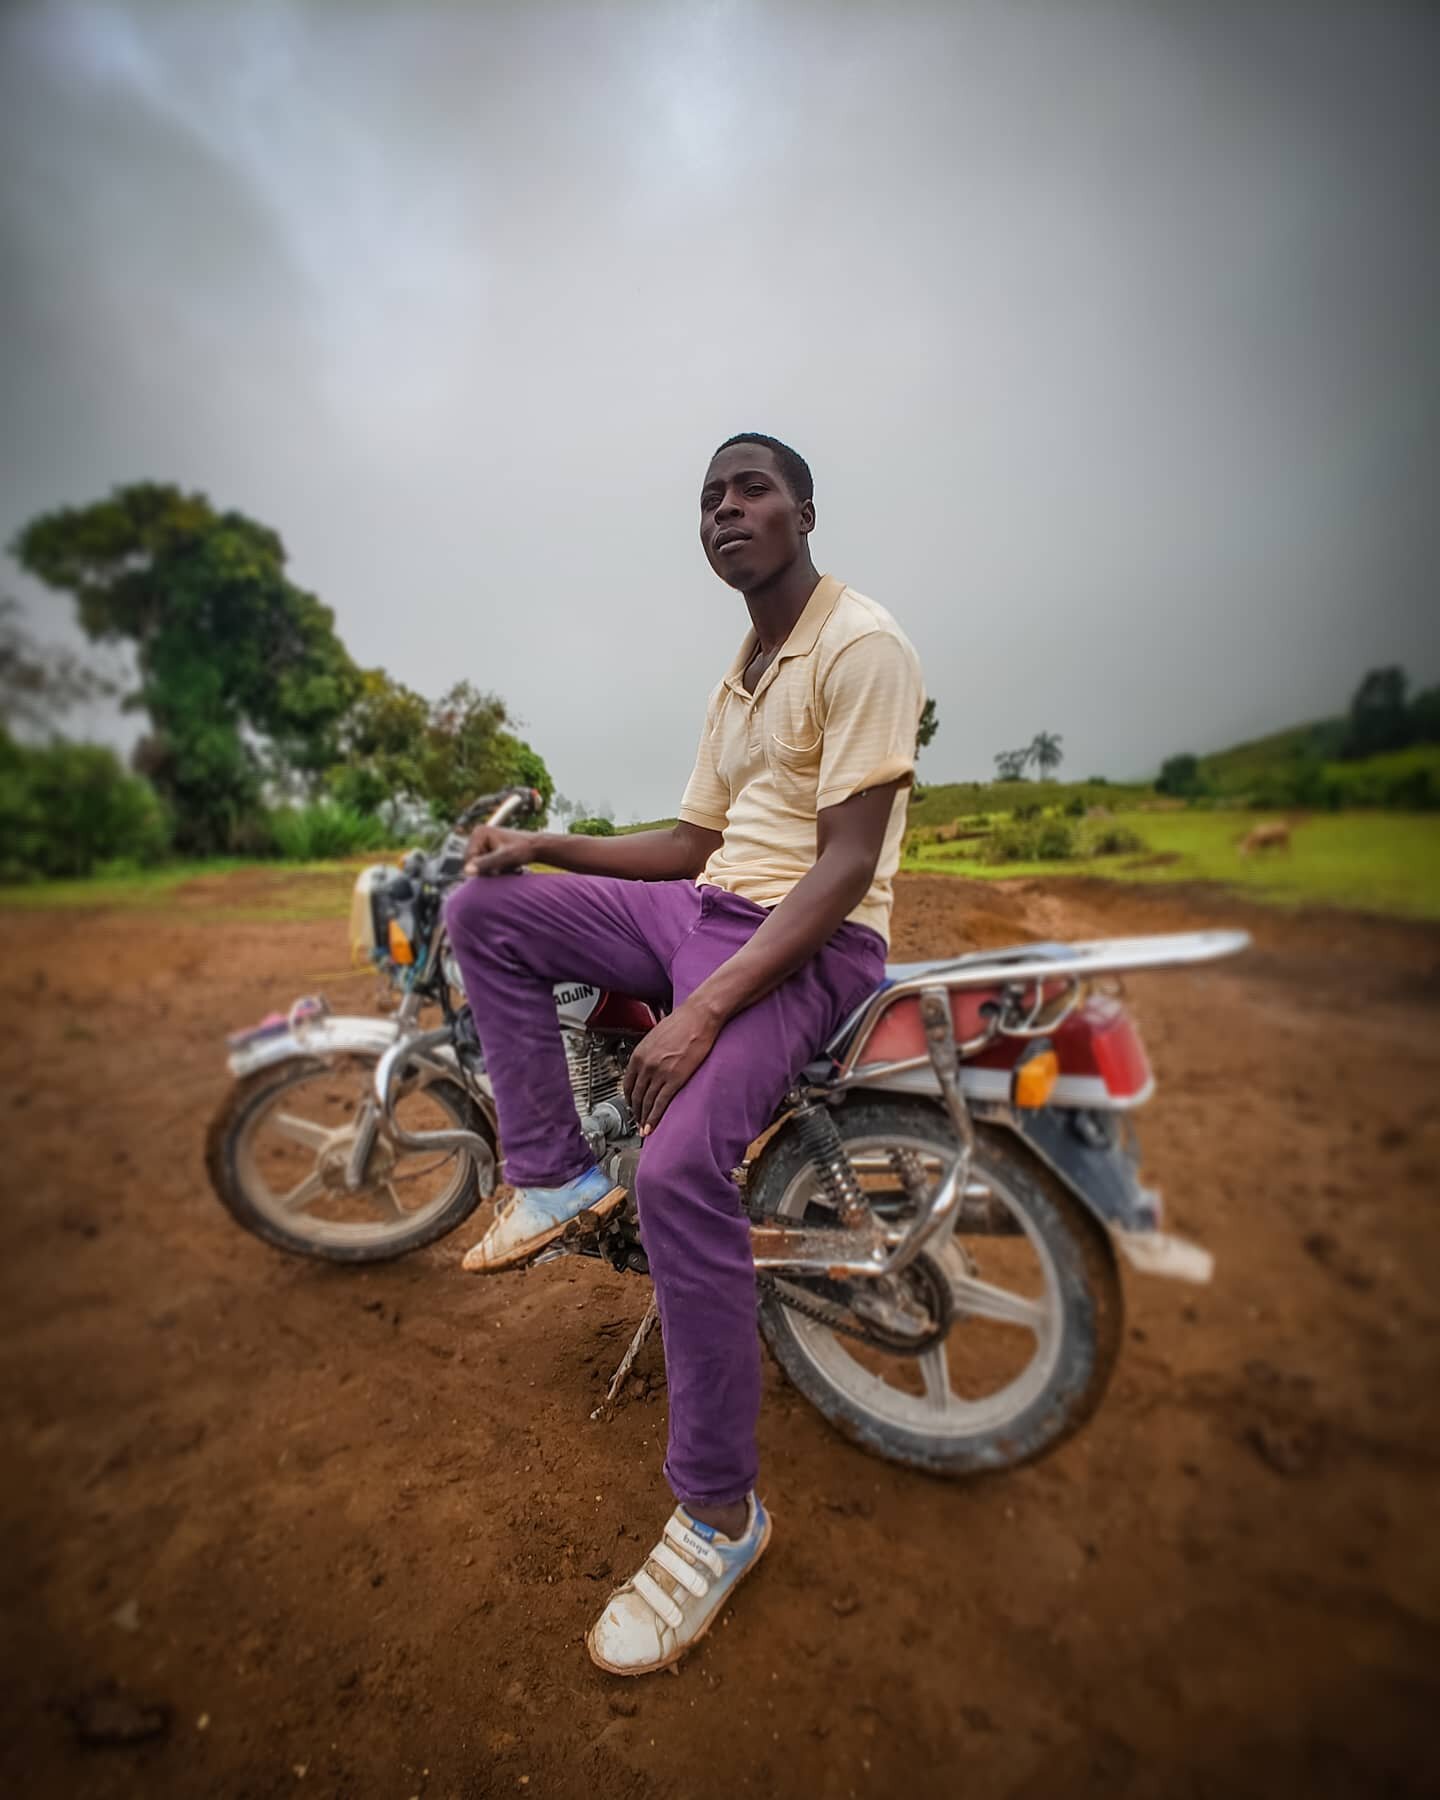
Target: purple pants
{"points": [[516, 935]]}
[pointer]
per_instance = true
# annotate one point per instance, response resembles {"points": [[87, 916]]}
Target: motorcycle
{"points": [[938, 1211]]}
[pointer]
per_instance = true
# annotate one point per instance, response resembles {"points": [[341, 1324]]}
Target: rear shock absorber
{"points": [[826, 1149]]}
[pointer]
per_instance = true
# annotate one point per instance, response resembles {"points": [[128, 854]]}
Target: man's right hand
{"points": [[672, 853], [493, 850]]}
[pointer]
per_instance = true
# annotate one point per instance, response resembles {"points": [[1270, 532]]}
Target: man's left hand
{"points": [[665, 1060]]}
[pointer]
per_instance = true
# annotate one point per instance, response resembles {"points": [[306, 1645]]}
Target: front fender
{"points": [[332, 1035]]}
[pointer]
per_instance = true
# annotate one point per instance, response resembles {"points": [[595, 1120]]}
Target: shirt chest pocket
{"points": [[793, 755]]}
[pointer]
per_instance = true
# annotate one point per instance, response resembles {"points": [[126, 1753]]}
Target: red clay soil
{"points": [[274, 1528]]}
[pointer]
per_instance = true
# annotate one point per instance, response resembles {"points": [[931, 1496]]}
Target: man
{"points": [[761, 917]]}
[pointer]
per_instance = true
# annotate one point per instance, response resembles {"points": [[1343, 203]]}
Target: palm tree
{"points": [[1045, 752]]}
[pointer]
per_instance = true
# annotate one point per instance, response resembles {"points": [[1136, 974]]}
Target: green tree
{"points": [[1010, 764], [241, 671], [1180, 776], [1045, 752], [597, 827], [381, 741], [396, 746], [467, 748], [1379, 719], [929, 725], [1425, 717]]}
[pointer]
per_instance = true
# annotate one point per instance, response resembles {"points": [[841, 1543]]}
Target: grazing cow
{"points": [[1274, 836]]}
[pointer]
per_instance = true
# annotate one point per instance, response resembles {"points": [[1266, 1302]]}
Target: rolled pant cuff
{"points": [[724, 1497]]}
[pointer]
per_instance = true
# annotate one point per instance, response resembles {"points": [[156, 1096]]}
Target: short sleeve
{"points": [[706, 801], [872, 698]]}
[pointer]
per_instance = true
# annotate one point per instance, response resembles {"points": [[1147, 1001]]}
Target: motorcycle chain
{"points": [[839, 1319]]}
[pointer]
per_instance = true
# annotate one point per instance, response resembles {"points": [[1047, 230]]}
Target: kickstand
{"points": [[627, 1361]]}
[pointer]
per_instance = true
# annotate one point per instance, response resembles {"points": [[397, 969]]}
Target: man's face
{"points": [[751, 525]]}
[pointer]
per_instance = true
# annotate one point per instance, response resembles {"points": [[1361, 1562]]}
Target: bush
{"points": [[593, 827], [1042, 840], [323, 832], [1008, 843], [1054, 841], [1115, 840], [64, 808], [1075, 807], [1027, 809]]}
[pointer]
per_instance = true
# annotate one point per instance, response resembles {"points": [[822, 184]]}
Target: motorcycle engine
{"points": [[596, 1072], [597, 1068]]}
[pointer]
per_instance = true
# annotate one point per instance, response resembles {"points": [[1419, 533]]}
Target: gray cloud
{"points": [[1108, 329]]}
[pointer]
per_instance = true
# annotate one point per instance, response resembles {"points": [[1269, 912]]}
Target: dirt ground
{"points": [[340, 1532]]}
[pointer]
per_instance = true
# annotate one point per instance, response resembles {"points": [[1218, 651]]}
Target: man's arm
{"points": [[849, 839], [670, 855]]}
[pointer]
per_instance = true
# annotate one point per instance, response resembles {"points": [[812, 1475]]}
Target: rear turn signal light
{"points": [[1035, 1078], [401, 950]]}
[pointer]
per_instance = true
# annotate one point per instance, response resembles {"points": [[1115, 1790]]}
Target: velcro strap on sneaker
{"points": [[693, 1545], [684, 1572], [659, 1602]]}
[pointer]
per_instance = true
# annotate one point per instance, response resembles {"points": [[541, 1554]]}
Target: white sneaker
{"points": [[535, 1217], [674, 1597]]}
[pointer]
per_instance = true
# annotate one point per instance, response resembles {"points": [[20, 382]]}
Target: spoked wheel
{"points": [[281, 1149], [1036, 1305]]}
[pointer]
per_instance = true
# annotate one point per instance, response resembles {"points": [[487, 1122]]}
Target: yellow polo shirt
{"points": [[834, 714]]}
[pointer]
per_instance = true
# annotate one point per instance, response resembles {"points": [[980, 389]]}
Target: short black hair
{"points": [[793, 465]]}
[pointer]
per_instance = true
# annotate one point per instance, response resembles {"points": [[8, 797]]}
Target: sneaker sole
{"points": [[522, 1252], [667, 1662]]}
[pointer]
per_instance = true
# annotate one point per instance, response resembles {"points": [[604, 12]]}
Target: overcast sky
{"points": [[1109, 330]]}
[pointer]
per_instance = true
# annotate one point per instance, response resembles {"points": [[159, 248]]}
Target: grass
{"points": [[209, 892], [1374, 861]]}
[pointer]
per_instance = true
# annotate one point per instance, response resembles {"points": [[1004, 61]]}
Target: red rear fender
{"points": [[1102, 1060]]}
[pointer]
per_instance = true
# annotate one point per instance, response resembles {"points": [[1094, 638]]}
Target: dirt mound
{"points": [[339, 1533]]}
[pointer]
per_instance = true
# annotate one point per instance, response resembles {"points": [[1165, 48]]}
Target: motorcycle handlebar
{"points": [[505, 805], [441, 863]]}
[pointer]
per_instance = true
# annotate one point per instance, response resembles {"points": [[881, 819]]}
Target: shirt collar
{"points": [[804, 635]]}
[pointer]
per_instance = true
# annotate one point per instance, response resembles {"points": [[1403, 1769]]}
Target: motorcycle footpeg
{"points": [[589, 1224]]}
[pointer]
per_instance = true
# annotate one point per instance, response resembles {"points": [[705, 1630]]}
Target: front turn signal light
{"points": [[401, 949], [1035, 1079]]}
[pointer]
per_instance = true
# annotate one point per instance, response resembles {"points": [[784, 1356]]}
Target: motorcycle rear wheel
{"points": [[276, 1151], [1030, 1265]]}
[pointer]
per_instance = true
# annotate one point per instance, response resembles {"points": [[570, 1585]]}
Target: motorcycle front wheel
{"points": [[277, 1154], [1037, 1306]]}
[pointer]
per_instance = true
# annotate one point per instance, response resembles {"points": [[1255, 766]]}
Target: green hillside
{"points": [[1245, 766]]}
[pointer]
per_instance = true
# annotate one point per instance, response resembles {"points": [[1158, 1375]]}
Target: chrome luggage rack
{"points": [[1013, 971]]}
